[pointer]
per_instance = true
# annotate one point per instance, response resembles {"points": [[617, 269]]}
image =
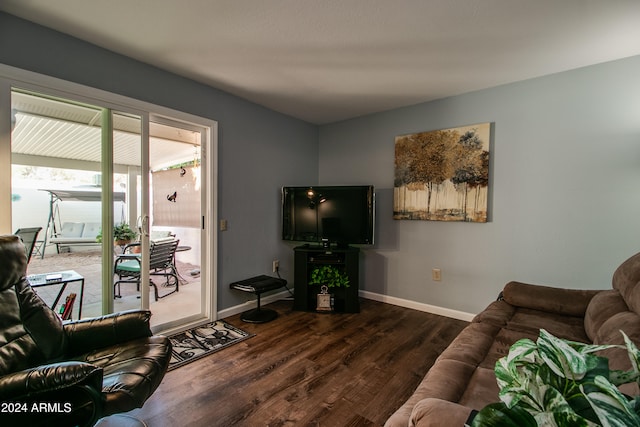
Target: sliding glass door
{"points": [[83, 167], [130, 262], [56, 170], [176, 212]]}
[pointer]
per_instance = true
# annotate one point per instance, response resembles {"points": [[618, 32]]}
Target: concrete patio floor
{"points": [[87, 263]]}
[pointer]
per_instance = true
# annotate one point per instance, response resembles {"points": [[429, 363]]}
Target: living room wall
{"points": [[564, 188], [259, 150]]}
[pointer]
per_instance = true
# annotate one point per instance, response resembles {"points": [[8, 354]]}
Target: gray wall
{"points": [[565, 181], [565, 173], [259, 150]]}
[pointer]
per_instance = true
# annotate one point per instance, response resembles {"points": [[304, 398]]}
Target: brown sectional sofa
{"points": [[462, 378]]}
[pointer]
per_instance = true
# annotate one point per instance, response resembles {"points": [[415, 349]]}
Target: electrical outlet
{"points": [[276, 265], [436, 275], [223, 225]]}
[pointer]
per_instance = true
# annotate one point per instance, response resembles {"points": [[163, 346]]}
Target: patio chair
{"points": [[29, 236], [79, 371], [161, 263]]}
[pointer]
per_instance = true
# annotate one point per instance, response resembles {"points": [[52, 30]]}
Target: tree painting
{"points": [[443, 175]]}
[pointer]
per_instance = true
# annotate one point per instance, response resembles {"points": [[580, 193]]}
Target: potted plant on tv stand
{"points": [[328, 277]]}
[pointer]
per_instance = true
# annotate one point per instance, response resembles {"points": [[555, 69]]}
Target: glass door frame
{"points": [[11, 77], [107, 206], [205, 211]]}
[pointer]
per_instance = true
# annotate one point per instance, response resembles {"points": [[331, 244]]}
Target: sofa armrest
{"points": [[99, 332], [434, 412], [572, 302], [59, 394], [45, 378]]}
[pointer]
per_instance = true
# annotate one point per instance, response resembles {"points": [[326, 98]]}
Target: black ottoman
{"points": [[258, 285]]}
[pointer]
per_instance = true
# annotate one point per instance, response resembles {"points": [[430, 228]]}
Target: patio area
{"points": [[87, 263]]}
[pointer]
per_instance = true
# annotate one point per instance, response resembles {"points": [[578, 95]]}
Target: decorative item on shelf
{"points": [[122, 234], [556, 382], [325, 299], [328, 276]]}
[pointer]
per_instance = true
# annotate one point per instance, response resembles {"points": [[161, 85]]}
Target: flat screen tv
{"points": [[340, 215]]}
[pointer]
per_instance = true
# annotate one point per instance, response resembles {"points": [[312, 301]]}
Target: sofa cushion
{"points": [[626, 278], [571, 302], [91, 230], [501, 344], [133, 365], [71, 229], [432, 412], [609, 333], [529, 322], [601, 308], [447, 379], [471, 344], [497, 313], [481, 390]]}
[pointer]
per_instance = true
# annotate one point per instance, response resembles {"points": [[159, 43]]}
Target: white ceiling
{"points": [[328, 60]]}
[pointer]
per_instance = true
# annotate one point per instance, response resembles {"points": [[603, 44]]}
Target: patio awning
{"points": [[83, 195]]}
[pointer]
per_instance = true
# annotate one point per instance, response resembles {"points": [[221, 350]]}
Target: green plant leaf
{"points": [[570, 419], [563, 359], [612, 407], [498, 415], [565, 383], [330, 276], [634, 354]]}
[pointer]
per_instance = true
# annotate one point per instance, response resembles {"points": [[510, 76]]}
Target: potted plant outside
{"points": [[328, 277], [556, 382], [122, 234]]}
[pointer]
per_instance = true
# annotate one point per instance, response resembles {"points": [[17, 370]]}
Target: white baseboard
{"points": [[249, 305], [427, 308]]}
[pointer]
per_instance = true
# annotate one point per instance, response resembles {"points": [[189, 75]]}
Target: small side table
{"points": [[62, 278]]}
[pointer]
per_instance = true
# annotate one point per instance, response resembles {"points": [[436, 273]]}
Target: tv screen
{"points": [[342, 215]]}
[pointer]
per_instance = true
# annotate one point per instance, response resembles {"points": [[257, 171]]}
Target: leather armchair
{"points": [[74, 373]]}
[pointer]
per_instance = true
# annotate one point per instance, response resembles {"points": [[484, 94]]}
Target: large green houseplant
{"points": [[556, 382]]}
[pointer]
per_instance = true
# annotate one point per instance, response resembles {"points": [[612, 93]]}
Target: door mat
{"points": [[204, 340]]}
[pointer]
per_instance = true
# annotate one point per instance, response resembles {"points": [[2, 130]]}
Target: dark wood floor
{"points": [[306, 369]]}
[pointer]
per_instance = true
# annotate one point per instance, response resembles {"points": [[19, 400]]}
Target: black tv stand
{"points": [[307, 257]]}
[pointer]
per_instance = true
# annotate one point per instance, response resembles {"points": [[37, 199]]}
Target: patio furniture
{"points": [[62, 279], [76, 233], [56, 233], [29, 236], [80, 371], [161, 263]]}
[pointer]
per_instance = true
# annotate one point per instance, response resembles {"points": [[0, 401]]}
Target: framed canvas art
{"points": [[443, 175]]}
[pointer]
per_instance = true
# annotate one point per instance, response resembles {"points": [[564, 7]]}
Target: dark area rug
{"points": [[202, 341]]}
